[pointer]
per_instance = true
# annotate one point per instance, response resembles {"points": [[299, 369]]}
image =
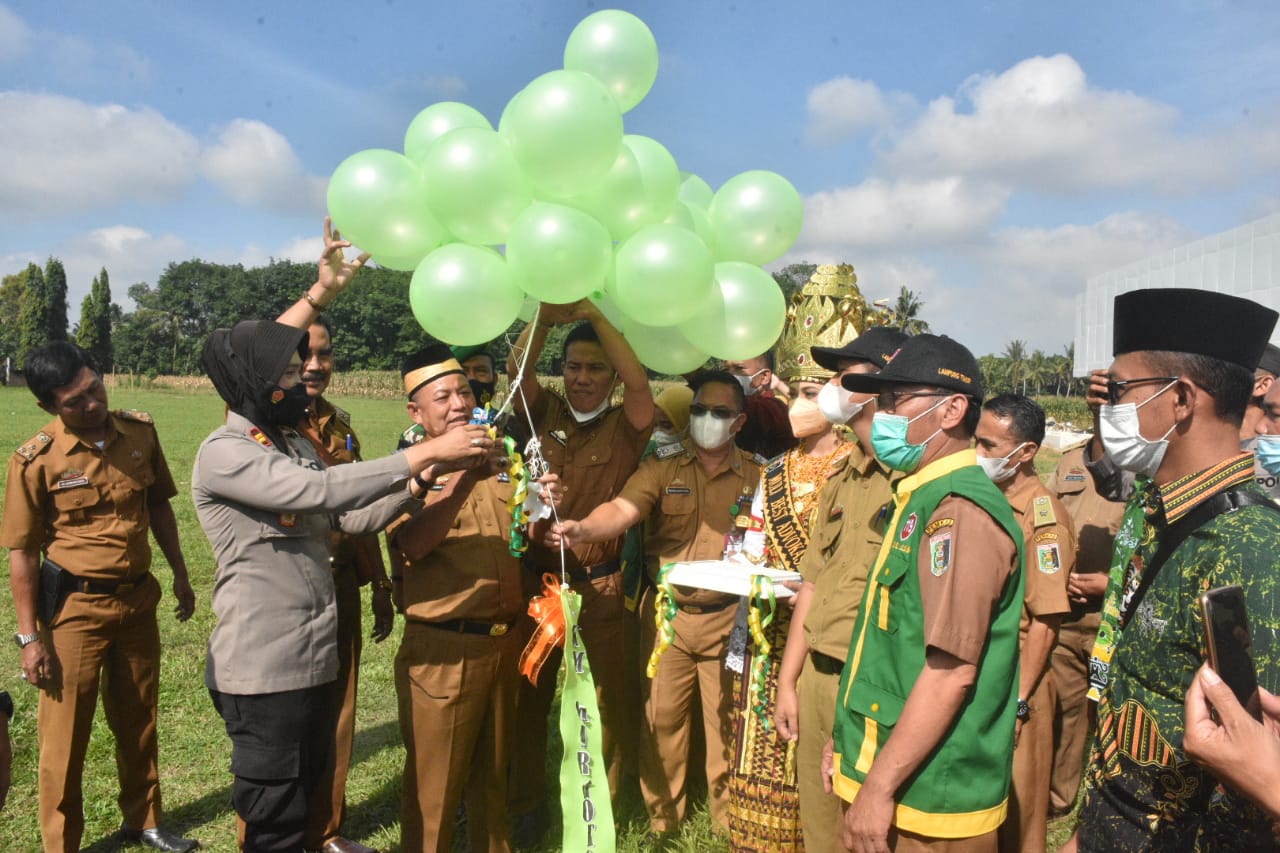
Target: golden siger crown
{"points": [[828, 311]]}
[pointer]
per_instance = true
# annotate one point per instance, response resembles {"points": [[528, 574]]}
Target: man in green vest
{"points": [[923, 740]]}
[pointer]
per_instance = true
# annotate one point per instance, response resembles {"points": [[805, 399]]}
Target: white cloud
{"points": [[255, 166], [82, 61], [1041, 126], [76, 156], [844, 107], [14, 35], [300, 249], [901, 214]]}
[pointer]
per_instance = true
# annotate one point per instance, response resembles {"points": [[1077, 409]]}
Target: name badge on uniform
{"points": [[561, 436], [678, 490], [70, 480]]}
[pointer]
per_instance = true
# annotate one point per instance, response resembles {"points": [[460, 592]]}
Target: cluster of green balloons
{"points": [[582, 210]]}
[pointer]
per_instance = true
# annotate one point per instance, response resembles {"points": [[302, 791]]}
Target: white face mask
{"points": [[1122, 437], [709, 432], [583, 417], [745, 382], [837, 404], [662, 438], [1000, 468]]}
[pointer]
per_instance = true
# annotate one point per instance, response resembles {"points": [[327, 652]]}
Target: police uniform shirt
{"points": [[1049, 547], [848, 527], [471, 573], [689, 511], [89, 509]]}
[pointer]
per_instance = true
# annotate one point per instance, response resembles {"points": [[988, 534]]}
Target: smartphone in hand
{"points": [[1226, 631]]}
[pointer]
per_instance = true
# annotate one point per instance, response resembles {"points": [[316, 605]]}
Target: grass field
{"points": [[194, 750]]}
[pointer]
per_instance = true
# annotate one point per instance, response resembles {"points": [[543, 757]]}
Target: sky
{"points": [[990, 156]]}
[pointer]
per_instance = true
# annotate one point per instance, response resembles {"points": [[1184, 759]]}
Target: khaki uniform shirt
{"points": [[848, 526], [88, 509], [593, 461], [1049, 548], [689, 511], [1096, 519], [471, 573]]}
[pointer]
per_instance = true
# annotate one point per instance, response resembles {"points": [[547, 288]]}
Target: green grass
{"points": [[194, 750]]}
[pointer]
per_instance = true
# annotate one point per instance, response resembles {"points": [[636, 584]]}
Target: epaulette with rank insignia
{"points": [[134, 415], [667, 451], [33, 448], [342, 415], [1042, 510]]}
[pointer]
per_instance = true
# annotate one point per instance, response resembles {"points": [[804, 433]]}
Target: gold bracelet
{"points": [[319, 309]]}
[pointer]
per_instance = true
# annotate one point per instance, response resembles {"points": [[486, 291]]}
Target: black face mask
{"points": [[482, 390], [286, 408]]}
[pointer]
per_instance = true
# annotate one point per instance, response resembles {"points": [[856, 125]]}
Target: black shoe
{"points": [[158, 838]]}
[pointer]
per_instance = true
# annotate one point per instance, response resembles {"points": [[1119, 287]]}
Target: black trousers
{"points": [[280, 744]]}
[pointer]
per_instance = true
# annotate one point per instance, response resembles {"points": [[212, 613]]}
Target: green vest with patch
{"points": [[961, 790]]}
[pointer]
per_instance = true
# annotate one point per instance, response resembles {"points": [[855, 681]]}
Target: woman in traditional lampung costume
{"points": [[764, 806]]}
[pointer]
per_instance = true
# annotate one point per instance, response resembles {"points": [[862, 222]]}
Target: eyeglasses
{"points": [[887, 401], [722, 413], [1117, 388]]}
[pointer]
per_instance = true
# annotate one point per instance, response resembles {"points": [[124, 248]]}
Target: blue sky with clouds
{"points": [[988, 155]]}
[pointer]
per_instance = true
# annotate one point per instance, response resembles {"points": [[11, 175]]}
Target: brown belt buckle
{"points": [[498, 629]]}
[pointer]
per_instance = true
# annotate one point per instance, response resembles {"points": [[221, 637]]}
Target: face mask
{"points": [[745, 382], [1123, 441], [662, 438], [583, 417], [806, 418], [999, 468], [889, 439], [709, 432], [286, 408], [1268, 450], [837, 404]]}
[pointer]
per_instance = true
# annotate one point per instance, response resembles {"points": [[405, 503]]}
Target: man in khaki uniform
{"points": [[83, 493], [690, 499], [456, 668], [1008, 437], [594, 446], [853, 509], [1096, 521]]}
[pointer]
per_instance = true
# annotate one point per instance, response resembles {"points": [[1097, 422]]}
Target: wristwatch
{"points": [[24, 640], [1024, 710]]}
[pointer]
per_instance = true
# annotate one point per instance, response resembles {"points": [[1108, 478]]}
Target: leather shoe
{"points": [[158, 838], [346, 845]]}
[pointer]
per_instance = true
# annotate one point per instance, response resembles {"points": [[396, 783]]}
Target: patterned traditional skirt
{"points": [[764, 803]]}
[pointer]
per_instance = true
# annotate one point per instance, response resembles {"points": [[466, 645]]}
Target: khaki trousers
{"points": [[1025, 827], [328, 806], [691, 680], [1070, 665], [456, 696], [113, 641], [821, 814], [909, 842], [610, 650]]}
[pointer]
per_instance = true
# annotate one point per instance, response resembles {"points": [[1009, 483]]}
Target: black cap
{"points": [[876, 345], [1201, 322], [933, 360], [1270, 361], [427, 365]]}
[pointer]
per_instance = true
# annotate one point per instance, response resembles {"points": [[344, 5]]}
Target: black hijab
{"points": [[246, 363]]}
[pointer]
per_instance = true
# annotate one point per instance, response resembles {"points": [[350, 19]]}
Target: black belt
{"points": [[825, 664], [468, 626], [600, 570], [700, 609], [79, 584]]}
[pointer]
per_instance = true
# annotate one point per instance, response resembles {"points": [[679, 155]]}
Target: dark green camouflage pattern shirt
{"points": [[1142, 792]]}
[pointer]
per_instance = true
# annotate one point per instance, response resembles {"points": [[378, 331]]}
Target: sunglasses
{"points": [[1118, 388], [722, 413]]}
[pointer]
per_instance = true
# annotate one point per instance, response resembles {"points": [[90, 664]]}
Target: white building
{"points": [[1244, 261]]}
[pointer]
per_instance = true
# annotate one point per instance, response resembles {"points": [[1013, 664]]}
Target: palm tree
{"points": [[906, 313], [1039, 371], [1015, 354]]}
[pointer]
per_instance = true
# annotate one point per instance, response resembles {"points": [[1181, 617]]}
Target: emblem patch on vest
{"points": [[940, 554], [908, 527], [1048, 559]]}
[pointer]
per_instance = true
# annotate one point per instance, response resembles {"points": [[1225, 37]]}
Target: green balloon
{"points": [[463, 294], [755, 217], [662, 349], [437, 120], [558, 254], [664, 274], [473, 184], [639, 190], [695, 191], [743, 316], [377, 199], [565, 130], [619, 50]]}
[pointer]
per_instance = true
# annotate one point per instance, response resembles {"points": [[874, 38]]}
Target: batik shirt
{"points": [[1142, 792]]}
